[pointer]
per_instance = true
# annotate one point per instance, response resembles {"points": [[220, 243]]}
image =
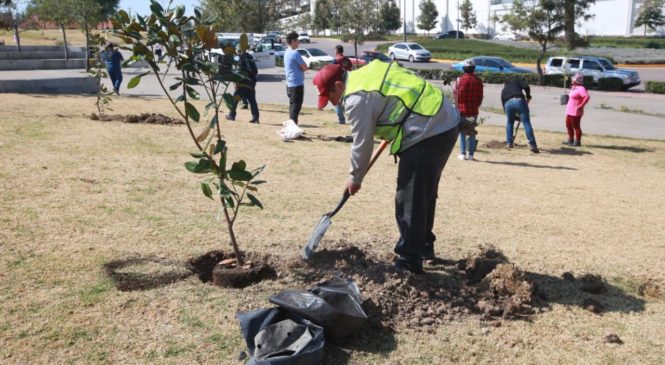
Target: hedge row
{"points": [[656, 87], [448, 76]]}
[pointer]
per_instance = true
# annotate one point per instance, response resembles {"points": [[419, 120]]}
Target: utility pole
{"points": [[457, 33], [404, 21]]}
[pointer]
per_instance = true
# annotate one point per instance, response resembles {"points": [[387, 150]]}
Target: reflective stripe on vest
{"points": [[389, 79]]}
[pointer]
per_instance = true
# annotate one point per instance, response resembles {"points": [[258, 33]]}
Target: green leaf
{"points": [[180, 98], [200, 167], [192, 93], [229, 202], [175, 86], [197, 155], [240, 175], [134, 82], [210, 105], [228, 100], [214, 121], [123, 16], [221, 145], [197, 13], [258, 182], [240, 165], [205, 187], [224, 191], [192, 112], [252, 188], [254, 200], [155, 7]]}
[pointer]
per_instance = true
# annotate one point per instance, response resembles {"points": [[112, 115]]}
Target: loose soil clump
{"points": [[144, 118], [650, 289], [222, 269], [484, 284]]}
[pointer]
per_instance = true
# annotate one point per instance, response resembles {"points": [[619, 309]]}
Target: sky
{"points": [[142, 7]]}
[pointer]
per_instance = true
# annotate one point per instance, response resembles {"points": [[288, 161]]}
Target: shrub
{"points": [[610, 84], [653, 45], [656, 87]]}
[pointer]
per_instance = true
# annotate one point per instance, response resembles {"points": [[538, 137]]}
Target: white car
{"points": [[311, 55], [507, 36], [409, 51], [303, 37]]}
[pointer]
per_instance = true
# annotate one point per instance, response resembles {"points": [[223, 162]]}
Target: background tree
{"points": [[544, 23], [241, 15], [89, 13], [11, 18], [651, 15], [574, 10], [467, 15], [337, 10], [390, 17], [322, 16], [60, 12], [428, 15]]}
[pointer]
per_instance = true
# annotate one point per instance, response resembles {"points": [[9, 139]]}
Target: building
{"points": [[612, 17]]}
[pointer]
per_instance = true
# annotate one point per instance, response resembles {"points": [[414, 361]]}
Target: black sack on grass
{"points": [[277, 337], [334, 305]]}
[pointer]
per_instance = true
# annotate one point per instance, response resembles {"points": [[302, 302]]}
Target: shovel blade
{"points": [[315, 238]]}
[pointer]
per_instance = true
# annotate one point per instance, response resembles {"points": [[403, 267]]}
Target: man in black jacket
{"points": [[515, 98]]}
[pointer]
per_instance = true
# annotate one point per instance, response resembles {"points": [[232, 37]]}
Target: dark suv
{"points": [[451, 34]]}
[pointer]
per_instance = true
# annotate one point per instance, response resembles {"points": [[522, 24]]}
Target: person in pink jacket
{"points": [[577, 99]]}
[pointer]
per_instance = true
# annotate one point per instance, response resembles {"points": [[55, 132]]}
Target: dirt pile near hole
{"points": [[145, 118], [651, 289], [484, 283]]}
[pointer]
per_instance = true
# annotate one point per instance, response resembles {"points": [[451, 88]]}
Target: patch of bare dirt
{"points": [[223, 270], [484, 283], [145, 118], [650, 289]]}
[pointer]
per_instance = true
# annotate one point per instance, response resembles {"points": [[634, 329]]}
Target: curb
{"points": [[520, 64]]}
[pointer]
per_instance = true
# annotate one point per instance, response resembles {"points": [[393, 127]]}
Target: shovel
{"points": [[324, 223]]}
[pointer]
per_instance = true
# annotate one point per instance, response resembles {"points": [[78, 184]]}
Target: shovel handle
{"points": [[346, 194]]}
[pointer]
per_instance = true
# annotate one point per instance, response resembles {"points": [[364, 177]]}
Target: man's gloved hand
{"points": [[468, 127]]}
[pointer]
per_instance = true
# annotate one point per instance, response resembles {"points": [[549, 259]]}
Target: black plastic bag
{"points": [[335, 305], [277, 337]]}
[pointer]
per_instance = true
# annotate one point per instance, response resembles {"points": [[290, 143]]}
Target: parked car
{"points": [[314, 55], [491, 64], [303, 38], [449, 34], [276, 47], [597, 67], [368, 56], [409, 51], [508, 36], [277, 36]]}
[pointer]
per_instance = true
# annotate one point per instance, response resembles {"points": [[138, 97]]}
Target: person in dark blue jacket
{"points": [[113, 59]]}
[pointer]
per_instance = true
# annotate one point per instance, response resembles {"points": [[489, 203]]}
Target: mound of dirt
{"points": [[146, 118], [650, 289], [482, 284], [222, 269]]}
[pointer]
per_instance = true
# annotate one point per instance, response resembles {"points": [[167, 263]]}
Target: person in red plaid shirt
{"points": [[469, 95]]}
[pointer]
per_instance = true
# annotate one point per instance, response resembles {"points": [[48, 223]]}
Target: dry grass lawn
{"points": [[46, 37], [77, 193]]}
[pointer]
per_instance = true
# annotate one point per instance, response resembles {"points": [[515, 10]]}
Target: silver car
{"points": [[597, 67], [409, 51]]}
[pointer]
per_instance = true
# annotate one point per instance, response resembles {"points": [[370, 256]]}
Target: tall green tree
{"points": [[428, 15], [467, 15], [651, 15], [544, 22], [573, 11], [390, 17], [10, 18], [60, 12], [322, 16], [241, 15]]}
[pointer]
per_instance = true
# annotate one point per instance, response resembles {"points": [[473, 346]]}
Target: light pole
{"points": [[457, 33], [404, 21]]}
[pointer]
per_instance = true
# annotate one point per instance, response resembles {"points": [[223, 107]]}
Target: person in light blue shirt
{"points": [[294, 67]]}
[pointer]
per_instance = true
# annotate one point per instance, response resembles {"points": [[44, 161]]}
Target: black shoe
{"points": [[429, 252], [534, 149], [568, 142], [228, 117], [576, 144], [509, 145], [409, 266], [244, 106], [255, 121]]}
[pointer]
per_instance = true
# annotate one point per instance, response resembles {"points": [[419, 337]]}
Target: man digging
{"points": [[394, 104]]}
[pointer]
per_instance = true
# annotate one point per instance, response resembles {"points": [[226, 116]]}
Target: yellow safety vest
{"points": [[416, 95]]}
